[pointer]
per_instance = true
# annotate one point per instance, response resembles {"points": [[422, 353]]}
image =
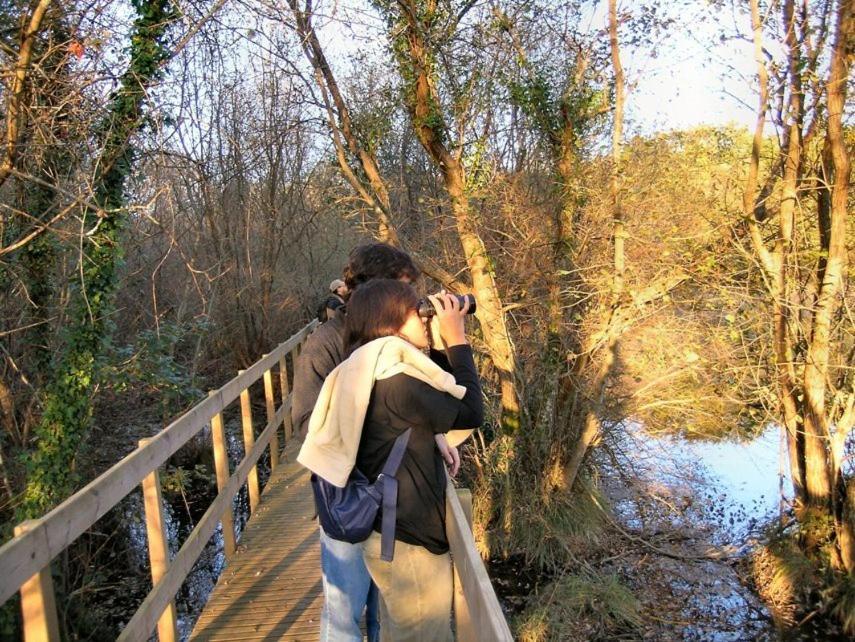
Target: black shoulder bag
{"points": [[347, 514]]}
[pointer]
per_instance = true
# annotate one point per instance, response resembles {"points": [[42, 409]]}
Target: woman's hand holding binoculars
{"points": [[448, 318]]}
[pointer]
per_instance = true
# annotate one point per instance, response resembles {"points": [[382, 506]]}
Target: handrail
{"points": [[145, 619], [478, 616], [27, 554]]}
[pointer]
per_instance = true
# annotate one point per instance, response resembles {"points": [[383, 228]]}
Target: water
{"points": [[703, 499], [179, 523], [741, 482]]}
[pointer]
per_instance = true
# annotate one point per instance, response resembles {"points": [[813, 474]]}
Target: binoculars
{"points": [[426, 308]]}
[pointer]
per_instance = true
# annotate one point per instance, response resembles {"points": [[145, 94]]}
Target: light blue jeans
{"points": [[348, 590]]}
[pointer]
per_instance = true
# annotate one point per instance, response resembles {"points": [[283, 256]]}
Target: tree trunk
{"points": [[489, 312], [619, 232], [773, 267], [846, 528], [615, 325], [833, 277], [67, 403], [817, 479], [374, 193], [423, 103], [591, 426], [16, 110]]}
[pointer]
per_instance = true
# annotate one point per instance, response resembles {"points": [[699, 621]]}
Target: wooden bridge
{"points": [[271, 586]]}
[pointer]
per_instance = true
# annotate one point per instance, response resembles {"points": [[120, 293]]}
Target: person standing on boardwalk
{"points": [[348, 589], [388, 401], [338, 291], [335, 302]]}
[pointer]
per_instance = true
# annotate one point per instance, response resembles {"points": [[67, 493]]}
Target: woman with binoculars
{"points": [[387, 392]]}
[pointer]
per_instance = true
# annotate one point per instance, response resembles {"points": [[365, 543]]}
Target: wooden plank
{"points": [[221, 465], [464, 496], [143, 622], [38, 603], [25, 555], [158, 549], [463, 627], [248, 442], [285, 394], [464, 630], [483, 606]]}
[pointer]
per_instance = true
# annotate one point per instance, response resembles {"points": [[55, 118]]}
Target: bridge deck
{"points": [[271, 589]]}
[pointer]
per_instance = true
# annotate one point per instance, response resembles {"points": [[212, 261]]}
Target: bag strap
{"points": [[393, 461], [390, 496]]}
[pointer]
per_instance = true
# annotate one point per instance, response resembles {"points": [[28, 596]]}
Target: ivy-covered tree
{"points": [[67, 395]]}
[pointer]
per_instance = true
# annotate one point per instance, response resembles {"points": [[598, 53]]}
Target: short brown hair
{"points": [[378, 261], [377, 309]]}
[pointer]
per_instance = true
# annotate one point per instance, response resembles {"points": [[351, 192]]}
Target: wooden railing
{"points": [[478, 617], [25, 560]]}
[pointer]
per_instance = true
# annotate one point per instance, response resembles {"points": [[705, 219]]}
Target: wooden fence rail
{"points": [[24, 559], [478, 616]]}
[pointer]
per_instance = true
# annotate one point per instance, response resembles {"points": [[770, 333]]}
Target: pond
{"points": [[746, 479], [707, 502]]}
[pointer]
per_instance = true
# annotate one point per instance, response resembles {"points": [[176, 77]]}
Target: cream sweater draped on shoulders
{"points": [[335, 427]]}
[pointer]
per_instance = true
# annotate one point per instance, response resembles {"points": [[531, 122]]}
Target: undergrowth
{"points": [[797, 587], [580, 607], [519, 509]]}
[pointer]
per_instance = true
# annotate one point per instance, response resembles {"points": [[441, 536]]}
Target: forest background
{"points": [[180, 180]]}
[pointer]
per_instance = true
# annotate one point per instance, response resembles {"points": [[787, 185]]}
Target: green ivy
{"points": [[67, 396], [399, 30], [150, 362]]}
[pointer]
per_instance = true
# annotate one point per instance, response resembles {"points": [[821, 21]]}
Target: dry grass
{"points": [[783, 575], [844, 604], [519, 509], [580, 607]]}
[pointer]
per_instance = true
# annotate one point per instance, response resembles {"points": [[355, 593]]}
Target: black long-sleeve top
{"points": [[402, 402]]}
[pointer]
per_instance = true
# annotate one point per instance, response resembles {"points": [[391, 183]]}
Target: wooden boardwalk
{"points": [[271, 589]]}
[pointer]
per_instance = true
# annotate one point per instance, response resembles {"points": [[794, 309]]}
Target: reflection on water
{"points": [[731, 487], [202, 578], [697, 498], [747, 476]]}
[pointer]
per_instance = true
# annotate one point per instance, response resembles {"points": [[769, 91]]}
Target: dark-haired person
{"points": [[348, 589], [386, 386], [324, 349]]}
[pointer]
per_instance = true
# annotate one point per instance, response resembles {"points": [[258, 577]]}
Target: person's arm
{"points": [[471, 411], [449, 319], [448, 453], [440, 358]]}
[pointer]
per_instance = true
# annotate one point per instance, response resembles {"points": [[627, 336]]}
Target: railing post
{"points": [[158, 548], [283, 389], [248, 443], [221, 464], [38, 604], [270, 405]]}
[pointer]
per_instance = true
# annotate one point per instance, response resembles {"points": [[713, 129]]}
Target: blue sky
{"points": [[690, 76]]}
